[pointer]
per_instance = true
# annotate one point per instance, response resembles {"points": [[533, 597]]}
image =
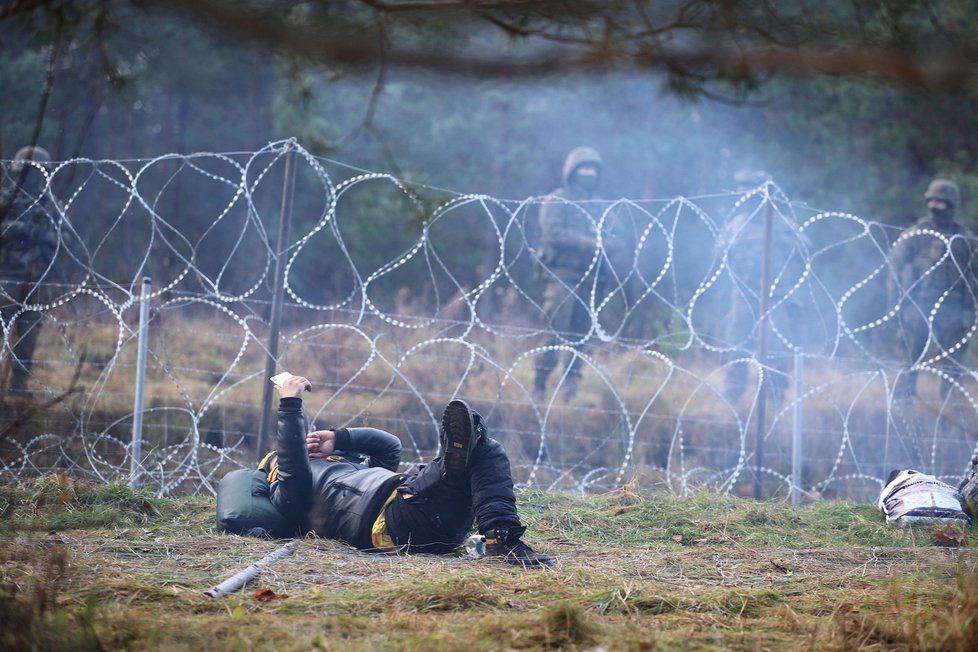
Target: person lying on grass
{"points": [[320, 483]]}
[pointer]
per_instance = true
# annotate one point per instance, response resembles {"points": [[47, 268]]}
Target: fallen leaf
{"points": [[781, 564], [950, 535], [263, 595], [267, 595], [678, 538]]}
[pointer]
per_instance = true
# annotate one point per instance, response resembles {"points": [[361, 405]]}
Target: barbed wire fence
{"points": [[727, 333]]}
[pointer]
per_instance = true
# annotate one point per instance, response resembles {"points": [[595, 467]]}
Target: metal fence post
{"points": [[762, 350], [281, 246], [137, 408], [796, 440]]}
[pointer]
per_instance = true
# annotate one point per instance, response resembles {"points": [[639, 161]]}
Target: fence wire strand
{"points": [[400, 297]]}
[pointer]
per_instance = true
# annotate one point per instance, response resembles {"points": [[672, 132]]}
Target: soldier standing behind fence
{"points": [[28, 243], [568, 240], [932, 281], [743, 241]]}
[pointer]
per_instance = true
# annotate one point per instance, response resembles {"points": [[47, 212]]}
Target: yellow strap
{"points": [[378, 533], [265, 460], [270, 475]]}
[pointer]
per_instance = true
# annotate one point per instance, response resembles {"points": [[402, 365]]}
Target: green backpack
{"points": [[243, 504]]}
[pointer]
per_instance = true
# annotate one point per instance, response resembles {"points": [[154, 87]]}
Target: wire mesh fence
{"points": [[664, 351]]}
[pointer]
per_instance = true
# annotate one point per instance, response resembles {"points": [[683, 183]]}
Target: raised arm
{"points": [[292, 491]]}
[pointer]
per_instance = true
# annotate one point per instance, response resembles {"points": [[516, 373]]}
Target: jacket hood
{"points": [[577, 157]]}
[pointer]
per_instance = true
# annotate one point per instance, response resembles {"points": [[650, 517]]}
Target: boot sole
{"points": [[459, 437]]}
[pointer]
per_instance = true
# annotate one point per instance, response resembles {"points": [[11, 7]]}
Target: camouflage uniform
{"points": [[969, 488], [926, 276], [743, 240], [568, 241], [28, 243]]}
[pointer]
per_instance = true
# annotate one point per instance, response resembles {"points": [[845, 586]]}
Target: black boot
{"points": [[505, 543], [481, 432], [458, 438]]}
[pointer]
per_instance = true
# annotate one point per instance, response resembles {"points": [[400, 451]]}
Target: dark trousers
{"points": [[22, 336], [439, 512], [741, 330], [949, 328], [570, 321]]}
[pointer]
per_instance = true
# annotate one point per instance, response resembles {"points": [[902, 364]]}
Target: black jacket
{"points": [[341, 496]]}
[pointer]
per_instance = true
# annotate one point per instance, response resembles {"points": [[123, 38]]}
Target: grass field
{"points": [[640, 418], [103, 567]]}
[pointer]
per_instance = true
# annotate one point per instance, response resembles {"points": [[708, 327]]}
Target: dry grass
{"points": [[636, 571], [687, 425]]}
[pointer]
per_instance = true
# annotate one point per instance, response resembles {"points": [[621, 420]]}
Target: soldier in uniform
{"points": [[933, 267], [568, 240], [743, 241], [28, 243]]}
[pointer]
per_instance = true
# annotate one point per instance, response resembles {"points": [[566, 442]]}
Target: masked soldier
{"points": [[28, 243], [932, 282], [568, 243]]}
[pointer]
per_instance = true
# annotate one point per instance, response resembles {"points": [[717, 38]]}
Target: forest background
{"points": [[851, 107]]}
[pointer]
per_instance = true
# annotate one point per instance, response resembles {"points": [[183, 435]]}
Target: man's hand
{"points": [[294, 386], [320, 443]]}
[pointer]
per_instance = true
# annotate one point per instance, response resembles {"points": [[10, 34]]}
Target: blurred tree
{"points": [[850, 106], [694, 41]]}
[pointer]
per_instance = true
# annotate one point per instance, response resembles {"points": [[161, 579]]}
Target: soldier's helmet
{"points": [[945, 190], [578, 157], [29, 153], [748, 178]]}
